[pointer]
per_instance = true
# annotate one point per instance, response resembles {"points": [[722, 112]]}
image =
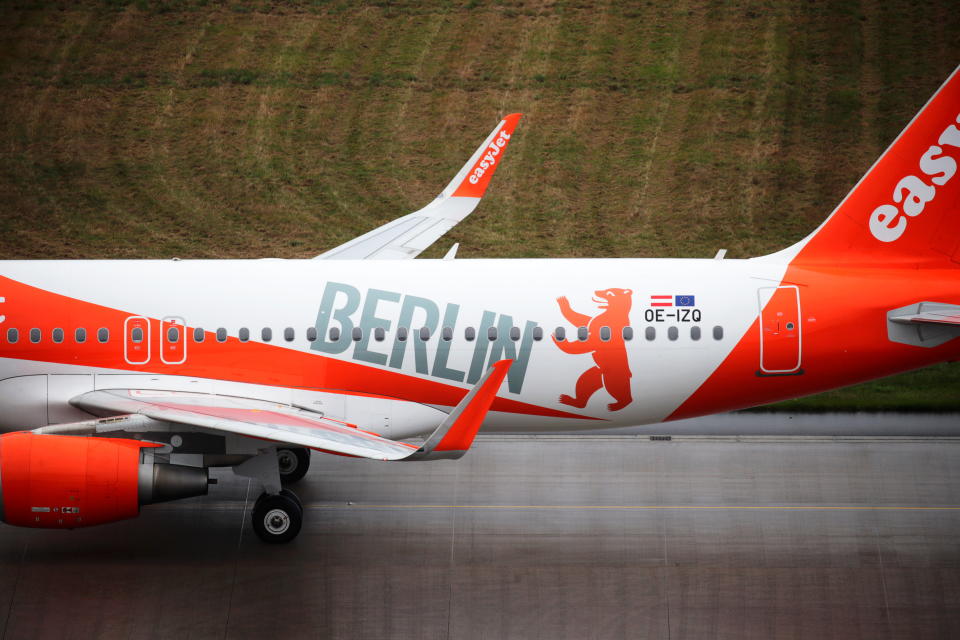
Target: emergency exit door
{"points": [[780, 330]]}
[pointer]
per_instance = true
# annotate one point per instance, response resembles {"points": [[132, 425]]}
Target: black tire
{"points": [[292, 496], [277, 518], [284, 492], [294, 463]]}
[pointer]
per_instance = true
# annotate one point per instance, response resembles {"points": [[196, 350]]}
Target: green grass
{"points": [[934, 389], [249, 129]]}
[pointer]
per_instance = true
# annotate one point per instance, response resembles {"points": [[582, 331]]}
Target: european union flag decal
{"points": [[686, 301]]}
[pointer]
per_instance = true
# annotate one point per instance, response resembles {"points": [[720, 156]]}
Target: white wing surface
{"points": [[283, 423]]}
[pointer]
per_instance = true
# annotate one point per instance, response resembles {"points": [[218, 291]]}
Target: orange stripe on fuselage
{"points": [[28, 307]]}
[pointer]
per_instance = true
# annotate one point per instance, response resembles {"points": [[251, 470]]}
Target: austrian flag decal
{"points": [[670, 301]]}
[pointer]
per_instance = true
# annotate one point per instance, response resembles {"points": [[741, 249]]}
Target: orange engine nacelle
{"points": [[63, 482]]}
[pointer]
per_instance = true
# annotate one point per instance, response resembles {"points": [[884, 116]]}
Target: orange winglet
{"points": [[455, 435], [487, 159]]}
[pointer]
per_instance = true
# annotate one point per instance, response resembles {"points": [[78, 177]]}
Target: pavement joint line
{"points": [[651, 507], [224, 506]]}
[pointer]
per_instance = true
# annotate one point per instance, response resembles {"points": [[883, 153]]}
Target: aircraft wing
{"points": [[283, 423], [410, 235]]}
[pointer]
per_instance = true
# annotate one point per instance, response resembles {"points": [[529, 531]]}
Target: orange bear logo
{"points": [[612, 370]]}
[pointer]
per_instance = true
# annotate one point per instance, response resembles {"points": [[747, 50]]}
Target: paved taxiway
{"points": [[531, 537]]}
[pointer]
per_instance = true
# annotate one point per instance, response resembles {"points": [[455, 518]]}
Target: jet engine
{"points": [[64, 482]]}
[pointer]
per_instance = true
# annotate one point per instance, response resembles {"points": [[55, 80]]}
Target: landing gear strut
{"points": [[277, 514], [293, 463]]}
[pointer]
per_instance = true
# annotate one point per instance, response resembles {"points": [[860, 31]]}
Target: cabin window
{"points": [[357, 334], [582, 334], [103, 335], [136, 334], [221, 335], [694, 333], [58, 335], [650, 333], [560, 333], [13, 336], [80, 335], [538, 333], [673, 333], [491, 333], [718, 333], [447, 334], [605, 334], [266, 334], [35, 335], [199, 334], [628, 333], [289, 334], [334, 334], [514, 333], [424, 334], [379, 334], [312, 334], [470, 334], [402, 334], [243, 334], [173, 335]]}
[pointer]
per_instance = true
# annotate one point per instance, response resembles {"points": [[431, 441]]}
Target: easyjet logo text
{"points": [[490, 157], [889, 221]]}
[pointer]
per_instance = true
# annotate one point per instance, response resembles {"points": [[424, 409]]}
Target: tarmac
{"points": [[531, 537]]}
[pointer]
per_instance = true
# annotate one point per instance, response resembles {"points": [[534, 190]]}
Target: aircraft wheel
{"points": [[293, 462], [277, 518], [292, 496], [284, 492]]}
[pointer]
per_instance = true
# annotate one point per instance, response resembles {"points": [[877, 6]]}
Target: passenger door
{"points": [[780, 330]]}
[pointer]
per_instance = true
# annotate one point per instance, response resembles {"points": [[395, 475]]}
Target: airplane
{"points": [[123, 382]]}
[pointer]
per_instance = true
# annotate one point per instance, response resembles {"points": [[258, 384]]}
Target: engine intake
{"points": [[63, 482]]}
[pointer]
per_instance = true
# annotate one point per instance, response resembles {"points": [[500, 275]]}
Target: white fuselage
{"points": [[672, 351]]}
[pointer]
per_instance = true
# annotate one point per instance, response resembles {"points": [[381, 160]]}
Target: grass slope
{"points": [[245, 129]]}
